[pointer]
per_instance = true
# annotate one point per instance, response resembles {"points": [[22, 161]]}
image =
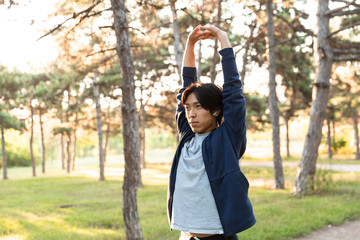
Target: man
{"points": [[208, 193]]}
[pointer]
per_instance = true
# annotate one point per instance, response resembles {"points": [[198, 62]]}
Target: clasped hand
{"points": [[206, 32]]}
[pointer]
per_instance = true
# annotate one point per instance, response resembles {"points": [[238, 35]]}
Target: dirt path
{"points": [[347, 231], [337, 167]]}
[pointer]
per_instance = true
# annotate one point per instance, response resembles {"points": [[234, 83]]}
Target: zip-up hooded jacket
{"points": [[221, 150]]}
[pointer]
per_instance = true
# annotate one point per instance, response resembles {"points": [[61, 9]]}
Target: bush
{"points": [[18, 156]]}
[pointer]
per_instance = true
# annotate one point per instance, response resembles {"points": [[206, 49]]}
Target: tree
{"points": [[130, 123], [176, 33], [274, 111], [328, 49], [7, 122], [98, 126], [11, 81]]}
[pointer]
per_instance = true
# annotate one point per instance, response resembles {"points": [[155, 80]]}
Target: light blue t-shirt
{"points": [[194, 209]]}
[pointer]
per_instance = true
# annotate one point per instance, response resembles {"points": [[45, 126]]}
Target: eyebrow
{"points": [[192, 103]]}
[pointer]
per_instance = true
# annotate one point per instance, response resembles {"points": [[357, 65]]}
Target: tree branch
{"points": [[295, 28], [333, 13], [351, 3], [354, 24], [112, 27], [158, 26], [339, 9], [101, 51], [343, 45], [75, 15], [355, 57], [338, 51]]}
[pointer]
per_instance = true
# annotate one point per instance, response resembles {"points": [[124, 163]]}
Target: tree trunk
{"points": [[274, 111], [246, 54], [355, 117], [107, 136], [33, 161], [3, 154], [216, 58], [62, 153], [330, 153], [98, 126], [75, 140], [199, 70], [333, 128], [142, 136], [178, 49], [68, 152], [287, 137], [42, 141], [130, 124], [307, 167]]}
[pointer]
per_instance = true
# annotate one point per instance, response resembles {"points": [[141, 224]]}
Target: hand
{"points": [[198, 34], [214, 32]]}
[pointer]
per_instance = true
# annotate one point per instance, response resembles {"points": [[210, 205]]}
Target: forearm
{"points": [[224, 40], [189, 56]]}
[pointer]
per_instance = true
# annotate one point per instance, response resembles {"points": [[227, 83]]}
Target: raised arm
{"points": [[233, 100], [188, 74], [196, 35]]}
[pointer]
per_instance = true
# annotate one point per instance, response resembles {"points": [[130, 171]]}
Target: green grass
{"points": [[58, 207]]}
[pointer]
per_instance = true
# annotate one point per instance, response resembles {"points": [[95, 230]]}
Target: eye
{"points": [[198, 106]]}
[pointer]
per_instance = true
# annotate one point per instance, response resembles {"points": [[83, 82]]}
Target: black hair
{"points": [[209, 96]]}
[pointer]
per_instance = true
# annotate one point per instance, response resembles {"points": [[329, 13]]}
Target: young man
{"points": [[208, 193]]}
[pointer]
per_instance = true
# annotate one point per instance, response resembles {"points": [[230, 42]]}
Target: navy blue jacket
{"points": [[221, 150]]}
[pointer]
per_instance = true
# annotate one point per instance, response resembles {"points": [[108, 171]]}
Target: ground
{"points": [[347, 231]]}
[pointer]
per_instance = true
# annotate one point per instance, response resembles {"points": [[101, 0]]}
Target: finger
{"points": [[208, 28]]}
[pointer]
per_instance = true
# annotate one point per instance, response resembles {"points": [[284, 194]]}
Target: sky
{"points": [[20, 27]]}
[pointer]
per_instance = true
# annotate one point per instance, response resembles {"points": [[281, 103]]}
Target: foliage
{"points": [[256, 116], [323, 180], [18, 155], [157, 138], [338, 144]]}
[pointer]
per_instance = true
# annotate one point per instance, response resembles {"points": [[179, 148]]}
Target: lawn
{"points": [[78, 206]]}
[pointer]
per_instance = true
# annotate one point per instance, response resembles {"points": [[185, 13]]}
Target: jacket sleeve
{"points": [[233, 101], [189, 77]]}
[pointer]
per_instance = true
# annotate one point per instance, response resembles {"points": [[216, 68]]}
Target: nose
{"points": [[191, 113]]}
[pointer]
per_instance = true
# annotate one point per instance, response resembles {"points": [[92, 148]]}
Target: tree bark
{"points": [[75, 140], [142, 136], [246, 54], [62, 151], [33, 161], [274, 111], [287, 137], [68, 152], [355, 117], [216, 58], [68, 144], [130, 123], [42, 141], [330, 153], [305, 176], [199, 69], [4, 165], [178, 49], [107, 136], [98, 126]]}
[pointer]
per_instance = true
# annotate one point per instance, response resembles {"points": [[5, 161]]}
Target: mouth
{"points": [[194, 123]]}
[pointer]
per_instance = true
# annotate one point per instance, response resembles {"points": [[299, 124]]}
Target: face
{"points": [[200, 119]]}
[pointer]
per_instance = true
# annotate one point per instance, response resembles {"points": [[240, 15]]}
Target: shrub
{"points": [[18, 156]]}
